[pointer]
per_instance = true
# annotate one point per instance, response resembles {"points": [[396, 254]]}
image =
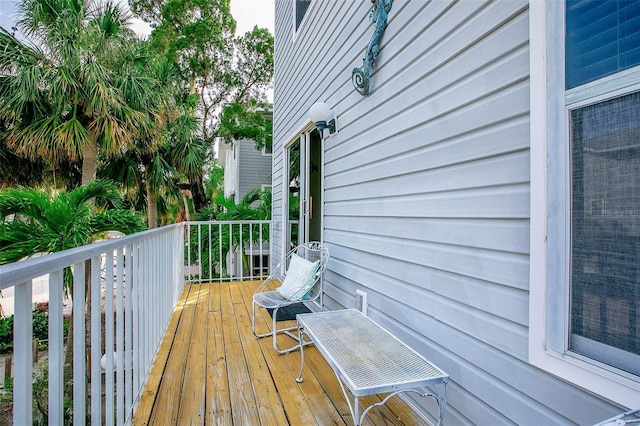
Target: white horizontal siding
{"points": [[254, 169], [426, 202]]}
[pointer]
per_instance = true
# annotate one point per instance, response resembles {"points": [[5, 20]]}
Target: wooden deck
{"points": [[211, 370]]}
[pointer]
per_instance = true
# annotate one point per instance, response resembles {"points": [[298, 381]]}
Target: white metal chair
{"points": [[272, 295]]}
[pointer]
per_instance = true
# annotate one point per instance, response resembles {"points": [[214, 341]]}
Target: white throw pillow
{"points": [[299, 279]]}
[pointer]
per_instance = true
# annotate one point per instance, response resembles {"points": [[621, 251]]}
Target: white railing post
{"points": [[95, 339], [108, 340], [56, 347], [135, 348], [223, 262], [128, 331], [23, 355], [79, 354], [120, 327]]}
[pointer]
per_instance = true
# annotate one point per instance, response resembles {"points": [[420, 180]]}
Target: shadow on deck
{"points": [[210, 369]]}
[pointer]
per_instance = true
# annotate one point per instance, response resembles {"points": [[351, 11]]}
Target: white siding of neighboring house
{"points": [[230, 170], [249, 169], [255, 169], [426, 202]]}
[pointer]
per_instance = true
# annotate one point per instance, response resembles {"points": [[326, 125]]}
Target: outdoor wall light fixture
{"points": [[322, 116]]}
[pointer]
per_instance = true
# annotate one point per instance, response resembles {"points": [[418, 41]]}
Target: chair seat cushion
{"points": [[300, 278]]}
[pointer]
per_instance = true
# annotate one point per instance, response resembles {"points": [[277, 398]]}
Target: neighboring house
{"points": [[485, 195], [245, 167]]}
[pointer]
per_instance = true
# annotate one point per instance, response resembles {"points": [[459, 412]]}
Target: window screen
{"points": [[602, 38], [605, 232]]}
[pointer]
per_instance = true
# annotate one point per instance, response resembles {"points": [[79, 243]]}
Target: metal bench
{"points": [[369, 360]]}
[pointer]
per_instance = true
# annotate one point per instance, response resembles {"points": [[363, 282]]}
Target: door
{"points": [[304, 176]]}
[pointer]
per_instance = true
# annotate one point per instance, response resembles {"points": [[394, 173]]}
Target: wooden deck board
{"points": [[211, 370], [192, 402]]}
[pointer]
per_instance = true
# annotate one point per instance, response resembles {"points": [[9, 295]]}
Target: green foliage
{"points": [[17, 170], [63, 88], [40, 329], [40, 389], [6, 334], [255, 205], [40, 325], [61, 220], [214, 180], [6, 395], [214, 67], [240, 121]]}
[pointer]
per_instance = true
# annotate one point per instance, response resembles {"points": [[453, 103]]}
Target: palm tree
{"points": [[169, 152], [35, 221], [61, 90]]}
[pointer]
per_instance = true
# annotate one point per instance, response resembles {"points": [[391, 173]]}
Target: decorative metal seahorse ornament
{"points": [[378, 15]]}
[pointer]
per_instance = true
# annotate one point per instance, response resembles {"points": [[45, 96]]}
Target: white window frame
{"points": [[549, 229]]}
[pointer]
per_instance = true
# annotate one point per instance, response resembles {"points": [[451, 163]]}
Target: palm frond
{"points": [[117, 220], [99, 188]]}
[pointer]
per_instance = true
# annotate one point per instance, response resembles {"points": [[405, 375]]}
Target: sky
{"points": [[247, 13]]}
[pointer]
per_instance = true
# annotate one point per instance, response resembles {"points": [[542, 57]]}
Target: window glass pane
{"points": [[605, 232], [301, 9], [602, 38]]}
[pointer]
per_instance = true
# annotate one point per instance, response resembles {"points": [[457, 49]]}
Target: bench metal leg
{"points": [[300, 339], [359, 418]]}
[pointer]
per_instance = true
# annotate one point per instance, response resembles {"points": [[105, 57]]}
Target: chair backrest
{"points": [[312, 251]]}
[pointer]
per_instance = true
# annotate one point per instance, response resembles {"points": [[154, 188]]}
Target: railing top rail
{"points": [[229, 222], [19, 272]]}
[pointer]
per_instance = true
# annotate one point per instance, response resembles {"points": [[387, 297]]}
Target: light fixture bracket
{"points": [[331, 125]]}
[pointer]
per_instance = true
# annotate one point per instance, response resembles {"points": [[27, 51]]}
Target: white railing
{"points": [[137, 280], [141, 278], [214, 251]]}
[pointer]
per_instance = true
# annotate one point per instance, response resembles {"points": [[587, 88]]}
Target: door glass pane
{"points": [[293, 199], [605, 231]]}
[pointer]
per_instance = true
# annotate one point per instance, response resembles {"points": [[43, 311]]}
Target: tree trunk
{"points": [[185, 202], [152, 201], [89, 162], [197, 192]]}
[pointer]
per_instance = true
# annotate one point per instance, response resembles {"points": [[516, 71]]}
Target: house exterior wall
{"points": [[255, 169], [230, 171], [427, 190], [250, 169]]}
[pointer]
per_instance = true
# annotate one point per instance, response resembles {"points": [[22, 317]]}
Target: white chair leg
{"points": [[283, 330], [253, 317], [274, 331]]}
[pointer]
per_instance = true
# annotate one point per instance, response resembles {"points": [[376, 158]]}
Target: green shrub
{"points": [[40, 328], [6, 334]]}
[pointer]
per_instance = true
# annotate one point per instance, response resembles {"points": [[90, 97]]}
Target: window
{"points": [[602, 38], [267, 150], [605, 231], [301, 9], [585, 194]]}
